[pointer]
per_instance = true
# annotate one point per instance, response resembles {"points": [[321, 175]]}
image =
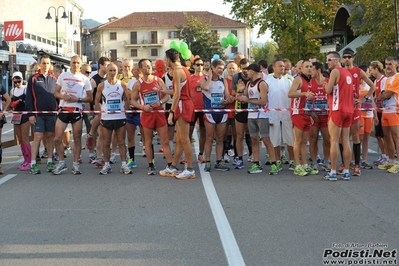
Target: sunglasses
{"points": [[199, 64], [17, 81], [347, 57], [87, 72], [330, 59]]}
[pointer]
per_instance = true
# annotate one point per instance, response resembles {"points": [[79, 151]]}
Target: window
{"points": [[154, 52], [27, 35], [39, 39], [34, 37], [154, 37], [214, 31], [133, 37], [133, 52], [113, 55], [112, 36], [234, 49], [173, 34], [234, 32]]}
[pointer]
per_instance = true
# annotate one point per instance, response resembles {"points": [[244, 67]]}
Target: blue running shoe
{"points": [[346, 177], [331, 177], [239, 164]]}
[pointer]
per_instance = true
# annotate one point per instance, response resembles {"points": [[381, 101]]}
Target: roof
{"points": [[359, 41], [168, 20]]}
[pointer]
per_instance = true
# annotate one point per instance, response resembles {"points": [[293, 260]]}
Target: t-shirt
{"points": [[73, 84], [391, 104]]}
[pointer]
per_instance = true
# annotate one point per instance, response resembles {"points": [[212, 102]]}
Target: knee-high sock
{"points": [[152, 146], [28, 152], [249, 143], [356, 151], [131, 152]]}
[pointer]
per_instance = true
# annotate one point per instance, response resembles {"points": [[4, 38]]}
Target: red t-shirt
{"points": [[197, 91]]}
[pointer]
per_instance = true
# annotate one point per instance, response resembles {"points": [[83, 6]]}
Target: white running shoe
{"points": [[186, 174]]}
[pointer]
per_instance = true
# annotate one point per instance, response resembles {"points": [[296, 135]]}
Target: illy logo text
{"points": [[13, 31]]}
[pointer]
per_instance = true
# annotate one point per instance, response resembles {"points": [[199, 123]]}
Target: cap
{"points": [[348, 51], [254, 67], [17, 74]]}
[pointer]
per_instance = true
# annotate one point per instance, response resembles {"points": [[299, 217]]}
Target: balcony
{"points": [[143, 43]]}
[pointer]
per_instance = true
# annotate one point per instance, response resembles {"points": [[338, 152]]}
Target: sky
{"points": [[120, 8]]}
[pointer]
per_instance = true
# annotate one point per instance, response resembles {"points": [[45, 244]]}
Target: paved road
{"points": [[221, 218]]}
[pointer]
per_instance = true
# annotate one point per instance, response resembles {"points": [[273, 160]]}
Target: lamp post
{"points": [[64, 15], [395, 6], [288, 2]]}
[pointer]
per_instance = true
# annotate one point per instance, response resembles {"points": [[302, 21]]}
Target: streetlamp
{"points": [[288, 2], [395, 6], [64, 15]]}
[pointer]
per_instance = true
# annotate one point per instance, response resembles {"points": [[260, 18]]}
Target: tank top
{"points": [[168, 80], [149, 93], [368, 104], [213, 97], [355, 71], [97, 79], [19, 94], [185, 86], [112, 101], [320, 99], [379, 87], [197, 91], [254, 94], [341, 98], [298, 104]]}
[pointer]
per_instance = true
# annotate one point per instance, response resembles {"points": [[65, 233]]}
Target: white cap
{"points": [[17, 74]]}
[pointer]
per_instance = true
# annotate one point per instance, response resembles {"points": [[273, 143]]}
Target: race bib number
{"points": [[321, 104], [151, 97], [198, 89], [378, 103], [308, 105], [216, 100], [16, 119], [368, 104], [114, 105], [253, 106]]}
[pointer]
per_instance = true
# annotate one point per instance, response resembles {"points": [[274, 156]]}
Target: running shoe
{"points": [[59, 168], [380, 160], [326, 166], [284, 160], [89, 141], [385, 166], [356, 171], [221, 167], [273, 170], [151, 171], [143, 152], [186, 174], [366, 165], [201, 159], [250, 159], [331, 177], [346, 177], [311, 170], [207, 167], [24, 167], [239, 164], [394, 169], [105, 170], [231, 153], [44, 154], [99, 163], [168, 172], [112, 159], [226, 158], [340, 169], [50, 167], [300, 171], [268, 160], [34, 170], [292, 166], [75, 169], [255, 168], [125, 170], [131, 163]]}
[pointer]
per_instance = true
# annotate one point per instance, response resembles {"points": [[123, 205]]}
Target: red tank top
{"points": [[320, 99], [149, 93], [297, 104], [185, 89], [341, 97], [355, 71], [197, 91], [378, 85]]}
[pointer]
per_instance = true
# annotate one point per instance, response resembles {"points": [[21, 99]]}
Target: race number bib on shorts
{"points": [[216, 100], [151, 97], [114, 105]]}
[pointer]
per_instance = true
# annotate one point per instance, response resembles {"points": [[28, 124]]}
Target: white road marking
{"points": [[6, 178], [229, 243]]}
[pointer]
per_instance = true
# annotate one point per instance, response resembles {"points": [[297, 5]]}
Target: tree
{"points": [[199, 38], [376, 18], [268, 51], [316, 17]]}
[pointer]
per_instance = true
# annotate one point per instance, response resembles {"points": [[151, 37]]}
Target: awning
{"points": [[359, 41], [22, 58]]}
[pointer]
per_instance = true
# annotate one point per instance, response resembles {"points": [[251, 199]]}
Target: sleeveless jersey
{"points": [[341, 98], [355, 71], [379, 87], [126, 80], [213, 97], [320, 99], [185, 86], [168, 80], [368, 104], [112, 101], [254, 94], [97, 79], [19, 94], [297, 104], [197, 91], [149, 93]]}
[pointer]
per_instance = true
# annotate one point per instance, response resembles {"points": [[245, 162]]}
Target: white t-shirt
{"points": [[278, 98], [73, 84]]}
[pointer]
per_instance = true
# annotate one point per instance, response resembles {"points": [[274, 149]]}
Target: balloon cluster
{"points": [[182, 48], [230, 39]]}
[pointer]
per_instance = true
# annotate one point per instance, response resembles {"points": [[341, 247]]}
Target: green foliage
{"points": [[316, 17], [200, 39], [377, 18], [267, 51]]}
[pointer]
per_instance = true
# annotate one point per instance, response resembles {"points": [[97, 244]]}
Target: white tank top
{"points": [[112, 101], [254, 94], [169, 86]]}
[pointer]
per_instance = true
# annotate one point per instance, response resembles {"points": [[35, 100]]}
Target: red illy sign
{"points": [[14, 30]]}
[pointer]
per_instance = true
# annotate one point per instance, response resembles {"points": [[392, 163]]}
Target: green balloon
{"points": [[224, 43], [230, 38], [236, 41], [187, 55], [183, 47], [174, 45]]}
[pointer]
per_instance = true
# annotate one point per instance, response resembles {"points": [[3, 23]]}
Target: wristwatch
{"points": [[161, 102], [79, 100]]}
